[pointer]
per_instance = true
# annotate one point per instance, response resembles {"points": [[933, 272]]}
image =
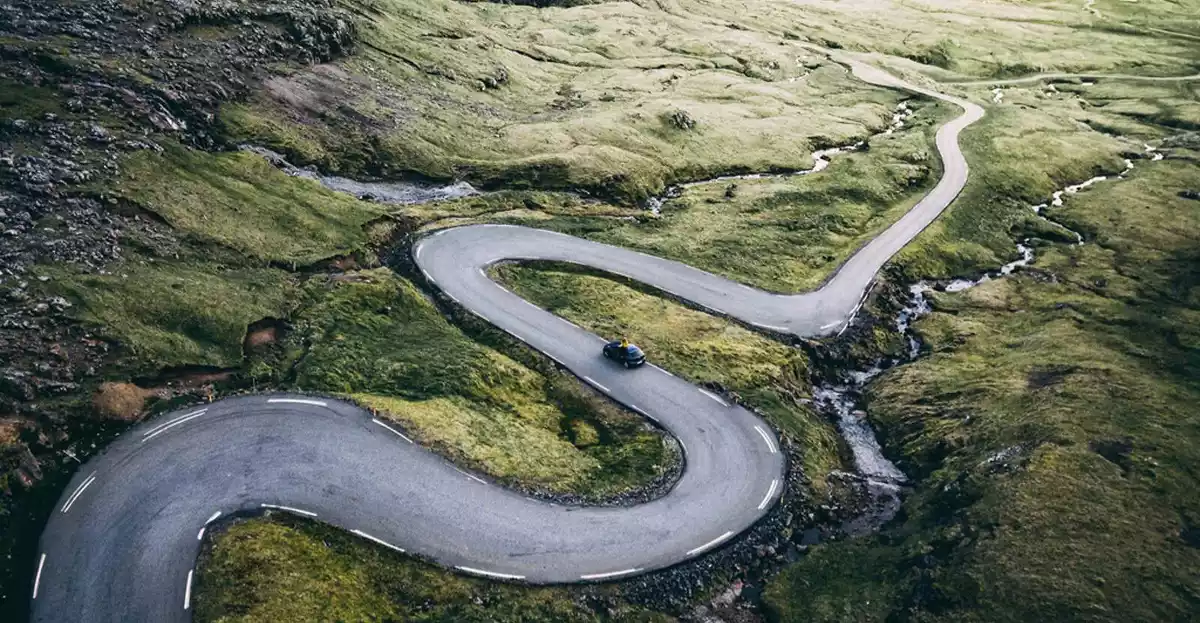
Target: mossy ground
{"points": [[560, 99], [373, 336], [240, 201], [582, 99], [1052, 430], [710, 351], [289, 570]]}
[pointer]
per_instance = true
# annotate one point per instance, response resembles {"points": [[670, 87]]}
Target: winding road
{"points": [[122, 543]]}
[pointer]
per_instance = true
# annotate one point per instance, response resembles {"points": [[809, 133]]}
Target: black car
{"points": [[625, 354]]}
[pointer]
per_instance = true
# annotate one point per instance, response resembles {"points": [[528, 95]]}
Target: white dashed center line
{"points": [[710, 544], [766, 437]]}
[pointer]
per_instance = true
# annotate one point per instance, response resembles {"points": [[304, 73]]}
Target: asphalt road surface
{"points": [[123, 541]]}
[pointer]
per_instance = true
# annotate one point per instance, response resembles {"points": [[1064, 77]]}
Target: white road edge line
{"points": [[299, 401], [427, 277], [597, 385], [37, 580], [773, 328], [662, 370], [641, 411], [491, 574], [710, 544], [164, 425], [452, 297], [200, 535], [610, 574], [766, 438], [470, 475], [713, 396], [832, 324], [420, 248], [289, 509], [379, 541], [171, 425], [393, 430], [187, 594], [74, 496], [213, 518], [770, 494]]}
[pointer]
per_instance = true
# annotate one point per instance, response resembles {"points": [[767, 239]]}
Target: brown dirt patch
{"points": [[120, 401], [10, 430], [262, 337]]}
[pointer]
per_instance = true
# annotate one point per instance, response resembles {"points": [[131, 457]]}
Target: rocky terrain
{"points": [[83, 84]]}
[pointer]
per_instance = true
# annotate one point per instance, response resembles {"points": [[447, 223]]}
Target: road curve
{"points": [[122, 543]]}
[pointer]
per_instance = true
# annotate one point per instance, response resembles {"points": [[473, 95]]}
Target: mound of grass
{"points": [[241, 201], [168, 314], [288, 570], [374, 336], [704, 349], [1052, 431]]}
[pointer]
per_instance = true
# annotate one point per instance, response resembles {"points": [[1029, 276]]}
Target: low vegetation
{"points": [[289, 570], [239, 200], [1051, 430], [778, 233], [163, 314], [577, 99], [709, 351], [373, 336]]}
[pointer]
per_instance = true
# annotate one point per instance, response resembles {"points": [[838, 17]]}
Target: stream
{"points": [[840, 399], [400, 193], [820, 162]]}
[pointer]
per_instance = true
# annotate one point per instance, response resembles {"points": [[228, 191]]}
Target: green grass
{"points": [[164, 314], [1081, 375], [241, 201], [701, 348], [375, 337], [1021, 152], [560, 99], [288, 570]]}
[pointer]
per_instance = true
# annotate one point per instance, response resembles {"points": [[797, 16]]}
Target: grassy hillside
{"points": [[1048, 433], [1051, 431]]}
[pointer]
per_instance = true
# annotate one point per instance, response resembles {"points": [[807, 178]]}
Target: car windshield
{"points": [[633, 351]]}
